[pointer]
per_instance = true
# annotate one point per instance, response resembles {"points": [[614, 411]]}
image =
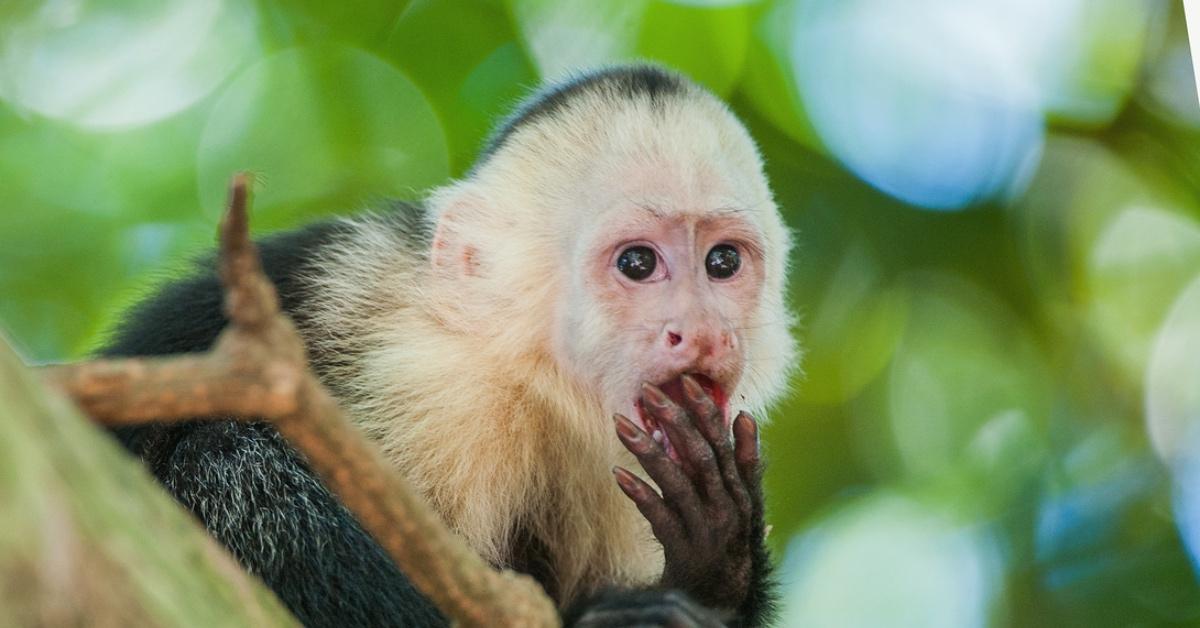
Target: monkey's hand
{"points": [[621, 608], [709, 517]]}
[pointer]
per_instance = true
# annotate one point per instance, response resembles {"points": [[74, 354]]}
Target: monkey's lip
{"points": [[673, 388]]}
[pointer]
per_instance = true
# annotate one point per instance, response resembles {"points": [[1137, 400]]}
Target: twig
{"points": [[257, 371]]}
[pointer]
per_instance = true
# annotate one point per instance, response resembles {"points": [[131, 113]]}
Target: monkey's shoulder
{"points": [[184, 314]]}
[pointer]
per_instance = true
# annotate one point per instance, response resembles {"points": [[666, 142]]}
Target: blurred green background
{"points": [[997, 206]]}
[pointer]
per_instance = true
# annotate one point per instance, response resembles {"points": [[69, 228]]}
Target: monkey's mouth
{"points": [[673, 388]]}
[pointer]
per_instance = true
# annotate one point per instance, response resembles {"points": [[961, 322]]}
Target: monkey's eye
{"points": [[637, 262], [723, 261]]}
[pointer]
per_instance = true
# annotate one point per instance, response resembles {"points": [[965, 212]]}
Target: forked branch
{"points": [[257, 371]]}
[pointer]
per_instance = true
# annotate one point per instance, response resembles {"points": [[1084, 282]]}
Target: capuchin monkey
{"points": [[561, 351]]}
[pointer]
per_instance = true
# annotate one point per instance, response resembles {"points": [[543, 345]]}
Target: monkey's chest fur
{"points": [[515, 465]]}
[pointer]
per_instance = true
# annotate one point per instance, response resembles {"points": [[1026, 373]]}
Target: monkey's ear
{"points": [[451, 253]]}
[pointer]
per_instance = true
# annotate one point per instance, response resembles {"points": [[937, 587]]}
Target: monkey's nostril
{"points": [[674, 338]]}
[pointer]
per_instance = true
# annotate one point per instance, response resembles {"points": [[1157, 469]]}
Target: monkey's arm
{"points": [[710, 515], [256, 496]]}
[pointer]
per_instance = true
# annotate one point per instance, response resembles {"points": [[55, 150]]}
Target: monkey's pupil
{"points": [[637, 262], [723, 261]]}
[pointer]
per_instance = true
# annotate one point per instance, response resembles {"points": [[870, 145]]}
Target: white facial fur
{"points": [[557, 202]]}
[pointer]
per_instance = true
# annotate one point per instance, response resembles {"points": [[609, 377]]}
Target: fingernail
{"points": [[627, 429], [750, 420], [752, 426], [654, 395], [623, 478], [692, 387]]}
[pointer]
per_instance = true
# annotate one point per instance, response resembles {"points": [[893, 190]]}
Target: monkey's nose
{"points": [[698, 344]]}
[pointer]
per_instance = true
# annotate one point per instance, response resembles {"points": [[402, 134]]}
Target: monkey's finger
{"points": [[677, 489], [663, 521], [665, 615], [707, 414], [746, 449], [694, 451], [687, 613], [711, 423]]}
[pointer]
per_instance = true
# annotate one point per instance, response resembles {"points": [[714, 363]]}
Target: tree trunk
{"points": [[87, 537]]}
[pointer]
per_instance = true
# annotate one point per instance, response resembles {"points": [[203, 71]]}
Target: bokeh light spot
{"points": [[890, 561], [963, 364], [313, 154], [103, 65], [565, 35], [852, 329], [1139, 262], [1173, 380], [923, 100]]}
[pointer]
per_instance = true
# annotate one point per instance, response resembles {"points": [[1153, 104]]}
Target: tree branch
{"points": [[257, 370]]}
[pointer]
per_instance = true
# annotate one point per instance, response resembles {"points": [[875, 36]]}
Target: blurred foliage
{"points": [[996, 205]]}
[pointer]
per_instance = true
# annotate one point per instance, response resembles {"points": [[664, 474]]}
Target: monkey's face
{"points": [[662, 294], [647, 231]]}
